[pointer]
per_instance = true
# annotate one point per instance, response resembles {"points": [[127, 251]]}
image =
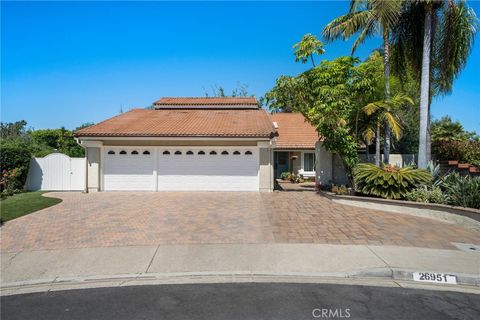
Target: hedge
{"points": [[14, 157]]}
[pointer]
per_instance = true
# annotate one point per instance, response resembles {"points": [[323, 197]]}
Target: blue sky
{"points": [[67, 63]]}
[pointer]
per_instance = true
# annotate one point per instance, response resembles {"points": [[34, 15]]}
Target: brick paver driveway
{"points": [[121, 219]]}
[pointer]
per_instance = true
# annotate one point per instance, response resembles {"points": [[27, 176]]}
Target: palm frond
{"points": [[347, 25]]}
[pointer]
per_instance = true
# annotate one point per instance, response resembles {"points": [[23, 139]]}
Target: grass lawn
{"points": [[24, 203]]}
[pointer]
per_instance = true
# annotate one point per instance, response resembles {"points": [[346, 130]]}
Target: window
{"points": [[224, 152], [201, 152], [236, 152], [134, 152], [178, 152], [166, 152], [123, 152], [309, 162], [213, 152], [111, 152], [146, 152], [189, 152], [248, 153]]}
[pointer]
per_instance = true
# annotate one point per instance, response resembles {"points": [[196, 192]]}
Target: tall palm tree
{"points": [[384, 112], [445, 30], [368, 18]]}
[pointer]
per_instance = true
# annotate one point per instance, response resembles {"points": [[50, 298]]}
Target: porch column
{"points": [[93, 174], [265, 170], [323, 165]]}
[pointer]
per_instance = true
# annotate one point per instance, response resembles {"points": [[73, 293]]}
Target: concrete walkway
{"points": [[37, 271]]}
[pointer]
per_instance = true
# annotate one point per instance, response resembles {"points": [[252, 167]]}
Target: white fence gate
{"points": [[58, 172]]}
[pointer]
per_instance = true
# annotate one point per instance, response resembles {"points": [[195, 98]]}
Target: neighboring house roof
{"points": [[185, 123], [294, 132], [207, 102]]}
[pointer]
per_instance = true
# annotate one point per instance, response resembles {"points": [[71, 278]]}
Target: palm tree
{"points": [[383, 112], [445, 30], [369, 17], [308, 46]]}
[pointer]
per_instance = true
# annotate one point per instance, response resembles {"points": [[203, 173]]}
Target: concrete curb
{"points": [[372, 277], [461, 211]]}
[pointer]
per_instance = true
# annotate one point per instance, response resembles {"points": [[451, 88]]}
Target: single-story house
{"points": [[211, 144]]}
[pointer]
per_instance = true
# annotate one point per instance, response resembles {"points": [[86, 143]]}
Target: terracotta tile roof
{"points": [[184, 123], [207, 102], [294, 132]]}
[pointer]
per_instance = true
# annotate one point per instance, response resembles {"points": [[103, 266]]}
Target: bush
{"points": [[285, 175], [14, 162], [11, 182], [463, 151], [388, 182], [462, 191], [426, 195], [340, 190]]}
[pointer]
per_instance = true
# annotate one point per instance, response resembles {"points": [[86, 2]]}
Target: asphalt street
{"points": [[242, 301]]}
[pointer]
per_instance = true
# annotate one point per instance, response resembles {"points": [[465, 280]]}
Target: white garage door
{"points": [[128, 169], [208, 169]]}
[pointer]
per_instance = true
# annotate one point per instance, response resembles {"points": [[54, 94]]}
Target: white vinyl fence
{"points": [[56, 172]]}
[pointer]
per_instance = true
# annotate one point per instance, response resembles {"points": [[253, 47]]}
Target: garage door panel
{"points": [[208, 172], [124, 172]]}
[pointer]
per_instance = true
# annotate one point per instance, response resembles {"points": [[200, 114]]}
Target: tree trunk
{"points": [[377, 146], [386, 74], [425, 91], [429, 138], [367, 152], [313, 61]]}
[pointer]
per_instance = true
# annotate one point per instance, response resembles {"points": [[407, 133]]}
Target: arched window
{"points": [[123, 152], [146, 152], [224, 152], [166, 152], [189, 152], [248, 152], [201, 152], [213, 152], [111, 152], [178, 152], [134, 152], [236, 152]]}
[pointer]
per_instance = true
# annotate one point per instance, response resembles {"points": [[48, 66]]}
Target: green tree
{"points": [[326, 97], [61, 140], [84, 125], [445, 129], [307, 47], [367, 18], [445, 30], [288, 94], [385, 111]]}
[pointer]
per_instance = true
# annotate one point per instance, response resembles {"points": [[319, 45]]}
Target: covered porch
{"points": [[299, 162]]}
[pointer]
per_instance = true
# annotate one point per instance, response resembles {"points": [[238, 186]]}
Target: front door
{"points": [[281, 163]]}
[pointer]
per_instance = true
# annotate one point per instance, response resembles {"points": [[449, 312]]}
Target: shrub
{"points": [[388, 182], [285, 175], [14, 157], [340, 190], [463, 151], [11, 182], [462, 191], [427, 195]]}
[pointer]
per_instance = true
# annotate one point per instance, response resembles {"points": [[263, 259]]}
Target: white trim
{"points": [[102, 160], [302, 164], [92, 143], [155, 168], [85, 139]]}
